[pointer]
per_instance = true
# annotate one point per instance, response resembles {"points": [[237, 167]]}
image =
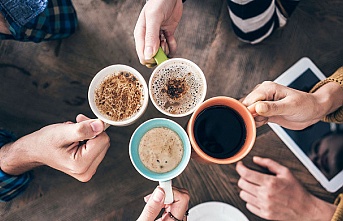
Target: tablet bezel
{"points": [[286, 79]]}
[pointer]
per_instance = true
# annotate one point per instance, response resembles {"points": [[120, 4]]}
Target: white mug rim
{"points": [[201, 74], [98, 78]]}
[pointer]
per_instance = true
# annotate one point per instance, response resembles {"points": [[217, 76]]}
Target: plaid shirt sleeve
{"points": [[11, 186]]}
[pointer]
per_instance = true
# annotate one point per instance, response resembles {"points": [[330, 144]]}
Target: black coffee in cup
{"points": [[219, 131]]}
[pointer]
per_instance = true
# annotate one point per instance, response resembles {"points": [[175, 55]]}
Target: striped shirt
{"points": [[254, 20], [11, 186]]}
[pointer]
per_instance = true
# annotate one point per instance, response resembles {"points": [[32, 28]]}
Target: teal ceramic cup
{"points": [[164, 179]]}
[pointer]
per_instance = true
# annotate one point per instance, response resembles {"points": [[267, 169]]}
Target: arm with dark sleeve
{"points": [[337, 77], [10, 185]]}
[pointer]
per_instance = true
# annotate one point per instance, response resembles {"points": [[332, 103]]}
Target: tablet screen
{"points": [[319, 146]]}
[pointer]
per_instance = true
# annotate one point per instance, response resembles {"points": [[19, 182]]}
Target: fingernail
{"points": [[158, 195], [148, 53], [97, 126]]}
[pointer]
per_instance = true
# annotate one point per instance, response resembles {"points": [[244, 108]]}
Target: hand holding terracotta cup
{"points": [[221, 131], [177, 86], [118, 95]]}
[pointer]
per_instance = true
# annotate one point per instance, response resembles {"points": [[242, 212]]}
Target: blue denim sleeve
{"points": [[22, 11], [11, 186]]}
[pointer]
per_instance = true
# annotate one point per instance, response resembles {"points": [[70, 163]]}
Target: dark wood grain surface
{"points": [[46, 83]]}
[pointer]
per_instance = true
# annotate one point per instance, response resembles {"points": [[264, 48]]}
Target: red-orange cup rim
{"points": [[247, 118]]}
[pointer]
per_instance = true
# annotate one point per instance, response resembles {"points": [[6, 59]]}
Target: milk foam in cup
{"points": [[171, 136], [177, 86]]}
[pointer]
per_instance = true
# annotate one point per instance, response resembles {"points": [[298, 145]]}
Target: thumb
{"points": [[153, 206], [152, 37], [269, 108], [81, 131]]}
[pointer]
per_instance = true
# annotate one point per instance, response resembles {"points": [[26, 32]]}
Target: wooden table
{"points": [[47, 83]]}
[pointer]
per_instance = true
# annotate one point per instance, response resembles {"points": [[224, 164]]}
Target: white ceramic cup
{"points": [[177, 68], [99, 78]]}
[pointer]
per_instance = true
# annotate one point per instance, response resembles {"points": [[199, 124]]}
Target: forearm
{"points": [[336, 79], [11, 185], [15, 159], [329, 98]]}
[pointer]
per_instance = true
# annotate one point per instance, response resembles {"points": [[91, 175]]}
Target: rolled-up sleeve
{"points": [[337, 77]]}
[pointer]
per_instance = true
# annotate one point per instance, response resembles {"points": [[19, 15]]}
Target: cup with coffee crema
{"points": [[177, 86], [221, 131], [160, 150], [118, 95]]}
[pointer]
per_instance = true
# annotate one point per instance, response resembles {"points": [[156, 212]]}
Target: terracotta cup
{"points": [[250, 127]]}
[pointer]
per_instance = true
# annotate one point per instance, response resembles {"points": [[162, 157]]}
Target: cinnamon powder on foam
{"points": [[119, 96]]}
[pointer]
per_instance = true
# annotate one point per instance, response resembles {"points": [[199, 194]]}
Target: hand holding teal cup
{"points": [[164, 178]]}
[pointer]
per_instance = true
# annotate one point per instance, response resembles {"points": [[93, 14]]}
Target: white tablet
{"points": [[310, 144]]}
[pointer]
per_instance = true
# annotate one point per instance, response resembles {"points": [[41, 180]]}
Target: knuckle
{"points": [[186, 197], [285, 170], [240, 183], [85, 178], [150, 210], [153, 12], [271, 184], [274, 107], [242, 195], [107, 139], [79, 129], [149, 37], [76, 168], [268, 161], [268, 197], [244, 173], [267, 214], [268, 84]]}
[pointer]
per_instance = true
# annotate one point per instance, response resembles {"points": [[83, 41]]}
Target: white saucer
{"points": [[217, 211]]}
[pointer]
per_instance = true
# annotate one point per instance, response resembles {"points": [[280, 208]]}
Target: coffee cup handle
{"points": [[168, 191], [160, 56], [106, 125]]}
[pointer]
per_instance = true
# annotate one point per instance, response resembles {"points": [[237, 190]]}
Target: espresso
{"points": [[219, 131], [160, 149], [177, 87], [119, 96]]}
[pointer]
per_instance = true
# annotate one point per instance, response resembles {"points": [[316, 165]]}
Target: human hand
{"points": [[157, 16], [279, 196], [76, 149], [155, 203], [4, 26], [290, 108]]}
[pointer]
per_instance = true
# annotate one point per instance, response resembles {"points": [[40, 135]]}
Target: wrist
{"points": [[328, 98], [321, 210], [14, 159]]}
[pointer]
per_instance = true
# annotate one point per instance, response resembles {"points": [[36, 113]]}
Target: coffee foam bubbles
{"points": [[182, 72]]}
